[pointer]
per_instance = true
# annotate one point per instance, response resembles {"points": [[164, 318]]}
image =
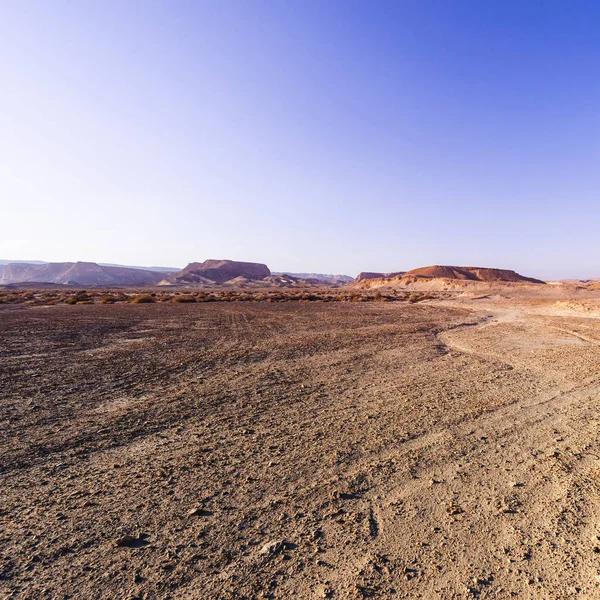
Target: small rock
{"points": [[128, 541], [199, 512], [131, 541], [454, 509], [272, 548]]}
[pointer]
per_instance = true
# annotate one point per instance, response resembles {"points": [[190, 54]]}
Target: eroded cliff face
{"points": [[220, 271], [473, 274], [372, 275]]}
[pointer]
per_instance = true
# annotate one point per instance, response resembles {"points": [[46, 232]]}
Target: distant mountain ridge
{"points": [[229, 273], [324, 277], [372, 275], [154, 268], [77, 273], [45, 262]]}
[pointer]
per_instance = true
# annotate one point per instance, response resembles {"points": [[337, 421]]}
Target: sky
{"points": [[311, 135]]}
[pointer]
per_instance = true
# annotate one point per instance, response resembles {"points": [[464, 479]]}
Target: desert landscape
{"points": [[429, 434], [299, 300]]}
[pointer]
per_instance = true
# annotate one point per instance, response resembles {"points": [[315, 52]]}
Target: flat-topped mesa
{"points": [[371, 275], [220, 271], [471, 274]]}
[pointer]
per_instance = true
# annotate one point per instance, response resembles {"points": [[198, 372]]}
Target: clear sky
{"points": [[310, 135]]}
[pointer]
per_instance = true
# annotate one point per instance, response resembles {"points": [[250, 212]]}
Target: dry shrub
{"points": [[143, 299], [140, 297], [352, 296], [184, 298], [206, 298], [80, 297], [420, 297]]}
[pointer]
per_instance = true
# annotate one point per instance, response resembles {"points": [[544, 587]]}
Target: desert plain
{"points": [[440, 446]]}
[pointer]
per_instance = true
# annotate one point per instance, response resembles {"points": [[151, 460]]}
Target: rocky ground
{"points": [[444, 449]]}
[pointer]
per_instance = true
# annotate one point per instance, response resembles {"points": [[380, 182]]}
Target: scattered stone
{"points": [[272, 548], [199, 512], [131, 541], [454, 509]]}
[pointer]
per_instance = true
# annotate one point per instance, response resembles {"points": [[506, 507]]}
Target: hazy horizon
{"points": [[290, 271], [312, 137]]}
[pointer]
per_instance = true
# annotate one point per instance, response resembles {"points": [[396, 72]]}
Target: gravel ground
{"points": [[308, 450]]}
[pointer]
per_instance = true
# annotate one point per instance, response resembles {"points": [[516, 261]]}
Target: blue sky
{"points": [[310, 135]]}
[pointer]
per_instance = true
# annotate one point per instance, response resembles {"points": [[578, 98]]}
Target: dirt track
{"points": [[398, 451]]}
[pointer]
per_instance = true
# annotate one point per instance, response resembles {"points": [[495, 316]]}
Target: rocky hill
{"points": [[447, 277], [76, 273], [472, 274], [316, 278], [211, 272], [372, 275]]}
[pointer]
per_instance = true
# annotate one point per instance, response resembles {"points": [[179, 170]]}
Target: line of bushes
{"points": [[79, 297]]}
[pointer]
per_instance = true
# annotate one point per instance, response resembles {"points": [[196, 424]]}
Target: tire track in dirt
{"points": [[519, 434]]}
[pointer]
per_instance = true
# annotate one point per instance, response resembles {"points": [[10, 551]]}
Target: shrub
{"points": [[184, 298], [71, 300], [206, 298], [143, 299]]}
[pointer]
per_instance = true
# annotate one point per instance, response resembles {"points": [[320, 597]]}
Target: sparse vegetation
{"points": [[49, 297], [184, 298], [143, 299]]}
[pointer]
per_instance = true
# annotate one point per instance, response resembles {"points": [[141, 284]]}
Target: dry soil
{"points": [[446, 449]]}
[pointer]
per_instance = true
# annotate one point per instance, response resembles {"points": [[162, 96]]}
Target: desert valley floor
{"points": [[444, 449]]}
